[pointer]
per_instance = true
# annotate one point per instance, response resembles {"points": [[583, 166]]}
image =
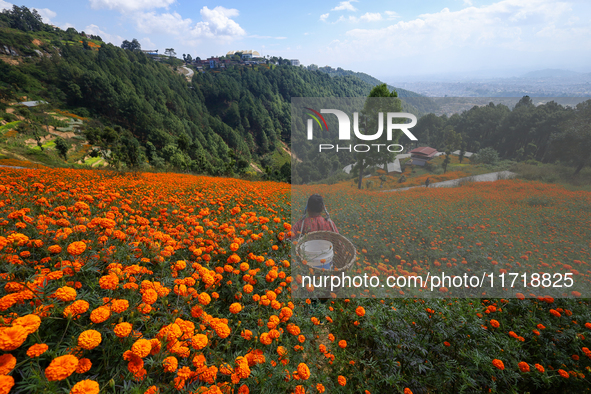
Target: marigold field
{"points": [[164, 283]]}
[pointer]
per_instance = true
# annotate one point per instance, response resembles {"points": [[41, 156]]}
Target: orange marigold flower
{"points": [[204, 298], [6, 383], [246, 334], [222, 330], [588, 325], [299, 389], [170, 364], [85, 387], [84, 365], [156, 345], [235, 308], [331, 337], [89, 339], [281, 351], [320, 388], [523, 366], [494, 323], [100, 314], [150, 296], [407, 391], [109, 282], [37, 349], [498, 363], [54, 249], [265, 339], [30, 323], [563, 373], [141, 348], [7, 363], [65, 293], [12, 337], [342, 344], [554, 312], [152, 390], [61, 367], [539, 368], [360, 311], [76, 308], [303, 371], [342, 380], [199, 341], [76, 248], [447, 343], [119, 306]]}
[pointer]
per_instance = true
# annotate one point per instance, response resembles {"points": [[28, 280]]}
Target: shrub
{"points": [[487, 156]]}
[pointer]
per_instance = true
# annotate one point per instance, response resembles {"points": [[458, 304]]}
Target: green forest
{"points": [[145, 114], [216, 124]]}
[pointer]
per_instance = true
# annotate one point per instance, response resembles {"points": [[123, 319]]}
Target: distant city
{"points": [[542, 83]]}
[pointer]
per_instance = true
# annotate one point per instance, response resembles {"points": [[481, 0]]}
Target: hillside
{"points": [[217, 123]]}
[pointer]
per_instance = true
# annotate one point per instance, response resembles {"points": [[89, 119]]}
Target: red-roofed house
{"points": [[420, 156]]}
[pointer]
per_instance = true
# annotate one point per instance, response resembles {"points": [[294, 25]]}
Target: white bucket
{"points": [[317, 250]]}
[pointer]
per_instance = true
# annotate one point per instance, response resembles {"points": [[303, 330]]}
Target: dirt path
{"points": [[256, 168], [286, 149], [189, 73], [490, 177]]}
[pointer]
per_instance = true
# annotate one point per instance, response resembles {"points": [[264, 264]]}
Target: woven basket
{"points": [[344, 251]]}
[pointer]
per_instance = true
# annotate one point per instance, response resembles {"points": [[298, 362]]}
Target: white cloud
{"points": [[152, 23], [505, 31], [106, 37], [267, 37], [46, 14], [345, 6], [467, 2], [351, 19], [146, 43], [216, 23], [130, 5], [371, 17], [5, 6], [505, 23], [392, 15], [367, 17], [324, 16]]}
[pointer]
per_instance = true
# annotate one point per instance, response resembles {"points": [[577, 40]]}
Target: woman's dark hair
{"points": [[315, 203]]}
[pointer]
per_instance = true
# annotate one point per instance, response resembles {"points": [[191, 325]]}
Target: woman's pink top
{"points": [[314, 223]]}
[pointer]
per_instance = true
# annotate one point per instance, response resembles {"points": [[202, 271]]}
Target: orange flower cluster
{"points": [[134, 257]]}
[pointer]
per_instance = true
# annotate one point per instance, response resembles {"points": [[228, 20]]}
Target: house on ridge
{"points": [[420, 156]]}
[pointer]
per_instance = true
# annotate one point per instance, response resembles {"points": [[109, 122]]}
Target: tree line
{"points": [[544, 133]]}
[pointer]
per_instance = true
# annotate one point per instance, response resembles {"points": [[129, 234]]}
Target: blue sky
{"points": [[387, 39]]}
